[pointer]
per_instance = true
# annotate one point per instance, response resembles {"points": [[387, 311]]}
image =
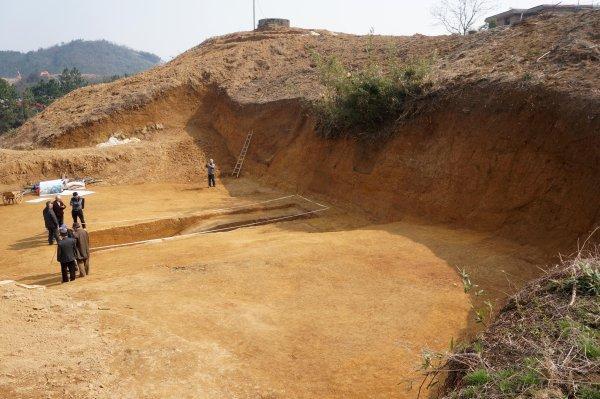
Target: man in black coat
{"points": [[66, 254], [59, 210], [51, 222]]}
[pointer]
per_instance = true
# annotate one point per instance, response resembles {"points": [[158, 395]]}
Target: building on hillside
{"points": [[270, 23], [516, 15]]}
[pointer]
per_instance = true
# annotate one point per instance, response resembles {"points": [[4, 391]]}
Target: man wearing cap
{"points": [[83, 249], [66, 254], [77, 209], [51, 223]]}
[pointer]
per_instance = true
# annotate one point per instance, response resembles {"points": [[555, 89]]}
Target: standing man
{"points": [[59, 209], [51, 223], [210, 168], [83, 249], [77, 206], [66, 254]]}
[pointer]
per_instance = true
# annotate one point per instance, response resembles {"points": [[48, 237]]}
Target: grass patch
{"points": [[586, 282], [477, 378], [589, 346], [360, 102], [545, 342], [588, 392]]}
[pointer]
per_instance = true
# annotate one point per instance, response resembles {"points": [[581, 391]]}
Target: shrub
{"points": [[361, 101]]}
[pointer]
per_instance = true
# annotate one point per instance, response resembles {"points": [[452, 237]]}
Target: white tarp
{"points": [[50, 187], [67, 194], [74, 185]]}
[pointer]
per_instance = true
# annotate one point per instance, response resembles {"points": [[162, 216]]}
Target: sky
{"points": [[169, 27]]}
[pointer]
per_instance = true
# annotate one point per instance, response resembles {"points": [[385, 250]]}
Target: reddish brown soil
{"points": [[505, 145], [488, 148], [261, 67], [332, 307]]}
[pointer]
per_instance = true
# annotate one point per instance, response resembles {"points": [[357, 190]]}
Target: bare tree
{"points": [[460, 16]]}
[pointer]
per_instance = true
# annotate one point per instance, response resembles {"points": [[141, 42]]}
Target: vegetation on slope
{"points": [[261, 67], [360, 102], [98, 57], [545, 342], [16, 108], [10, 111]]}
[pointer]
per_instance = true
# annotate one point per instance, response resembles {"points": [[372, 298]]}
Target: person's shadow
{"points": [[38, 240], [47, 279]]}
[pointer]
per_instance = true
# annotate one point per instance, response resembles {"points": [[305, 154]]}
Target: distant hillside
{"points": [[98, 57]]}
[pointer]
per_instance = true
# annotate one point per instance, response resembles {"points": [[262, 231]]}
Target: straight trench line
{"points": [[316, 203], [183, 236], [173, 238], [209, 211]]}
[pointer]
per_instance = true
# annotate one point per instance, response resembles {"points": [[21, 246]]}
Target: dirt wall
{"points": [[518, 160]]}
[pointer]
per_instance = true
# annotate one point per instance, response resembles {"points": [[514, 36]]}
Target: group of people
{"points": [[73, 244]]}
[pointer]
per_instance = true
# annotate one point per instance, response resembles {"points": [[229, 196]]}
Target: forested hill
{"points": [[98, 57]]}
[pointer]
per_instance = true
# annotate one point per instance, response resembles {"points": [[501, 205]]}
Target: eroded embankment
{"points": [[174, 153], [519, 160], [516, 159]]}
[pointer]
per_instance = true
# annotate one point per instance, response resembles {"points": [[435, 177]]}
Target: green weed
{"points": [[477, 378]]}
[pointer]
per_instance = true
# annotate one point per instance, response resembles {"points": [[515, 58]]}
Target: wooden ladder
{"points": [[238, 166]]}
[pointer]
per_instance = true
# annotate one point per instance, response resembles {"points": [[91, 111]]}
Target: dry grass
{"points": [[261, 67], [545, 342]]}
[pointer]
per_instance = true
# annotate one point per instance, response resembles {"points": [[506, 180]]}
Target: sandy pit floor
{"points": [[326, 305]]}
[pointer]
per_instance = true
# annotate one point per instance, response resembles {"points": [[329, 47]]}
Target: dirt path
{"points": [[331, 306]]}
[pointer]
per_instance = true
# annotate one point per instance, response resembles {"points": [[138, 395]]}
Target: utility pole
{"points": [[253, 14]]}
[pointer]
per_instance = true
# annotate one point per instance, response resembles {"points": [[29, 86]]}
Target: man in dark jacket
{"points": [[59, 210], [51, 223], [77, 209], [83, 249], [66, 254]]}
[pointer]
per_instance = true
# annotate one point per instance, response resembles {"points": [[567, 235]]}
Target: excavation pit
{"points": [[330, 306], [205, 223]]}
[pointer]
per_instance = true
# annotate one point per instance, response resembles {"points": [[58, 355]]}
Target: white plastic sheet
{"points": [[66, 195], [50, 187]]}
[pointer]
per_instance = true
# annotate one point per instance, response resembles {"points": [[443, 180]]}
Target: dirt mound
{"points": [[261, 67], [507, 141], [52, 342]]}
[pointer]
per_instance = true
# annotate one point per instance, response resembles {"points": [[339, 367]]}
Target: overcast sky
{"points": [[169, 27]]}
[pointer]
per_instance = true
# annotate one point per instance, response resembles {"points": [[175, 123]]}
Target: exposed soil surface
{"points": [[268, 66], [495, 171], [51, 345], [506, 141], [331, 306]]}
